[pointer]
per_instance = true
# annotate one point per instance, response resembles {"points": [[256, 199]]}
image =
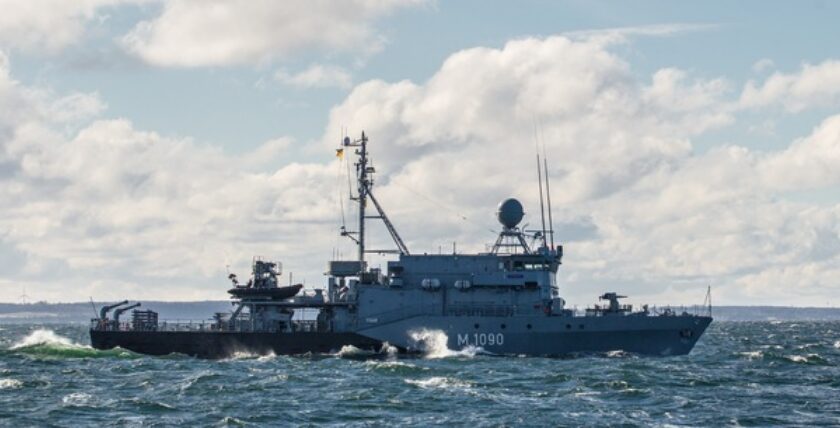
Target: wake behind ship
{"points": [[505, 301]]}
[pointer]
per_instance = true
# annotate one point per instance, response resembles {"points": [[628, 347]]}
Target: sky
{"points": [[148, 148]]}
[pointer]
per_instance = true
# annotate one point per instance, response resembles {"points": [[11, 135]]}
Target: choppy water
{"points": [[755, 373]]}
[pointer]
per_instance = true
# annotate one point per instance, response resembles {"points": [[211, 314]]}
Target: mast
{"points": [[364, 188], [361, 170]]}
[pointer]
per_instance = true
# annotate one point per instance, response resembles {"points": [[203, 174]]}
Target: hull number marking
{"points": [[481, 339]]}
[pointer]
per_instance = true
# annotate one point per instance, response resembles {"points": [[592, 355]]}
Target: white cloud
{"points": [[192, 33], [104, 203], [622, 34], [812, 86], [50, 25], [96, 201], [316, 76], [810, 162], [763, 65], [621, 157]]}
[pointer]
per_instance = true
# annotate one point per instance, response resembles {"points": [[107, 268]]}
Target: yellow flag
{"points": [[339, 153]]}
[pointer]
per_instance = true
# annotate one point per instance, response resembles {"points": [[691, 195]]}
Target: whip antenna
{"points": [[548, 198], [539, 179]]}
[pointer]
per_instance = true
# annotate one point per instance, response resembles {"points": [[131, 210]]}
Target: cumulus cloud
{"points": [[98, 202], [192, 33], [316, 76], [656, 212], [812, 86], [37, 25], [97, 207]]}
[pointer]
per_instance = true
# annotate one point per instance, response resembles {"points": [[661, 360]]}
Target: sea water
{"points": [[740, 373]]}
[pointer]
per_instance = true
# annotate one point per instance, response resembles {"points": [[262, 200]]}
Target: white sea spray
{"points": [[434, 344], [46, 337]]}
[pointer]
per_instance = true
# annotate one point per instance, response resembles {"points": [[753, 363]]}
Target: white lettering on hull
{"points": [[481, 339]]}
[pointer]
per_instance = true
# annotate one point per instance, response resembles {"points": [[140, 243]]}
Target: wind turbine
{"points": [[24, 297]]}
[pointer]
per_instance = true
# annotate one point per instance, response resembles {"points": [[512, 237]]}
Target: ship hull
{"points": [[214, 345], [533, 336], [549, 336]]}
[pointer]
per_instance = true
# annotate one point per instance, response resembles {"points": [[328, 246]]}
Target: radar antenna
{"points": [[511, 237], [365, 185]]}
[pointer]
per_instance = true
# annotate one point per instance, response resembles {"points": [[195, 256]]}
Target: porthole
{"points": [[476, 326], [503, 326], [581, 326], [528, 326], [568, 326]]}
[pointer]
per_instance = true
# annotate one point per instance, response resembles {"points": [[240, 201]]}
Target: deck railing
{"points": [[178, 325]]}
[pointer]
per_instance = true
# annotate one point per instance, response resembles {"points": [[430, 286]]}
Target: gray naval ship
{"points": [[505, 301]]}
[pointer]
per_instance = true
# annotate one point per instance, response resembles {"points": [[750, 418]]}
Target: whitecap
{"points": [[10, 384], [247, 355], [350, 351], [752, 355], [267, 357], [837, 344], [46, 337], [797, 358], [438, 382], [230, 420], [77, 399], [394, 365]]}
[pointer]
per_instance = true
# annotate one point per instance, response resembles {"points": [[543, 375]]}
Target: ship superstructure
{"points": [[505, 301]]}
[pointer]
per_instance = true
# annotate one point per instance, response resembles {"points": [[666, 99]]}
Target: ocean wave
{"points": [[10, 384], [247, 355], [45, 337], [439, 382], [350, 351], [83, 399], [199, 378], [618, 353], [152, 405], [806, 359], [231, 421], [434, 344], [47, 343], [387, 351], [752, 355], [395, 367]]}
